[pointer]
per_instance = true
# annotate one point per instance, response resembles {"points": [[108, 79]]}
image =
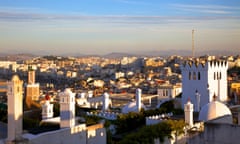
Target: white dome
{"points": [[214, 110], [68, 91], [131, 107]]}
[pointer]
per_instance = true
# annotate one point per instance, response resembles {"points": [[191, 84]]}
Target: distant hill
{"points": [[118, 55], [16, 57], [140, 53]]}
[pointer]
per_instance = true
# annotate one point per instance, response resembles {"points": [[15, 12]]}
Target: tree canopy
{"points": [[147, 134]]}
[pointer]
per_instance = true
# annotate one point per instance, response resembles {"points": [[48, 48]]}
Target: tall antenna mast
{"points": [[193, 50]]}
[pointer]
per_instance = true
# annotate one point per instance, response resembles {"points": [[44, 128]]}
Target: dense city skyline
{"points": [[101, 27]]}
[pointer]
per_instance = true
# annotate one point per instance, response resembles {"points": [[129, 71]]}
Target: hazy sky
{"points": [[104, 26]]}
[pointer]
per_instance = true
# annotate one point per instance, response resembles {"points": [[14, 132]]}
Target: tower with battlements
{"points": [[200, 80]]}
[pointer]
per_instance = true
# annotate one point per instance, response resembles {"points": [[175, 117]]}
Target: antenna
{"points": [[193, 50]]}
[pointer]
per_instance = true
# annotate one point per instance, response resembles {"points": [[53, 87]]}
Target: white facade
{"points": [[6, 64], [169, 91], [79, 134], [67, 108], [188, 109], [205, 79], [119, 75], [15, 108]]}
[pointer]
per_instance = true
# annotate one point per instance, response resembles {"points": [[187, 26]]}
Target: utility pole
{"points": [[193, 50]]}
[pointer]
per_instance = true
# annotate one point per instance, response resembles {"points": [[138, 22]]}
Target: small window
{"points": [[194, 76], [199, 76], [189, 76], [220, 75], [214, 76]]}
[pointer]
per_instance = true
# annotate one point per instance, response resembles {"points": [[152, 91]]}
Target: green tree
{"points": [[147, 134], [177, 127]]}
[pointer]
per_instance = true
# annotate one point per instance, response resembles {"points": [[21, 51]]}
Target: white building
{"points": [[201, 80], [67, 108], [47, 108], [119, 75], [169, 91], [69, 132], [136, 105]]}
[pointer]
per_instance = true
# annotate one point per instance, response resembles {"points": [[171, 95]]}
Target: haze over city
{"points": [[129, 26]]}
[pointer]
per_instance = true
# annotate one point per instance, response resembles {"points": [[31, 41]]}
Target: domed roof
{"points": [[213, 110], [68, 91], [15, 78], [131, 107]]}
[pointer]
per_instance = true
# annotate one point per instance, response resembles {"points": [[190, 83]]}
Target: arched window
{"points": [[189, 76], [199, 76], [194, 76], [214, 75], [220, 75]]}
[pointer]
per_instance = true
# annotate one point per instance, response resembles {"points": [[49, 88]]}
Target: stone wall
{"points": [[216, 133]]}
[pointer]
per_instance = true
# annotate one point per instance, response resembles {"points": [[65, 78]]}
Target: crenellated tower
{"points": [[200, 80]]}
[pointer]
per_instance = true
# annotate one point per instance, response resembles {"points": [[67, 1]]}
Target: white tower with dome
{"points": [[201, 80], [47, 108]]}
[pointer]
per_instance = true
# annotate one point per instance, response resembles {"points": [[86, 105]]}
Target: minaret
{"points": [[188, 109], [138, 99], [105, 102], [47, 108], [31, 75], [67, 108], [15, 109], [32, 88]]}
